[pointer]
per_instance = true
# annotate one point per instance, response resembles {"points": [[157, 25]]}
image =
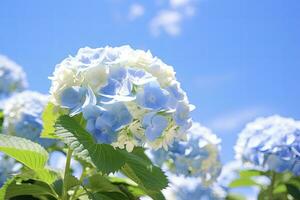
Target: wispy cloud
{"points": [[135, 11], [179, 3], [236, 119], [166, 16], [169, 19]]}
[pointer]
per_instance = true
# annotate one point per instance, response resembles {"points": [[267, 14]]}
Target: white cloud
{"points": [[136, 11], [167, 16], [179, 3], [168, 21], [236, 119]]}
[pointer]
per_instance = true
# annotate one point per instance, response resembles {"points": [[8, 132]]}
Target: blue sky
{"points": [[237, 59]]}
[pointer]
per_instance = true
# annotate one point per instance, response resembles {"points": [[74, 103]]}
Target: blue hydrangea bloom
{"points": [[155, 125], [182, 188], [182, 115], [176, 94], [118, 85], [104, 122], [29, 123], [12, 78], [271, 143], [199, 193], [140, 77], [22, 116], [127, 97], [8, 166], [198, 156], [152, 96], [76, 98]]}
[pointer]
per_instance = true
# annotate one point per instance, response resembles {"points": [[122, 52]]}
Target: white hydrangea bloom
{"points": [[128, 97], [22, 116], [91, 67], [12, 78]]}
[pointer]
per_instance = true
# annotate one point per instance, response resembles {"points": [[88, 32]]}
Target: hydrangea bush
{"points": [[117, 126], [12, 78]]}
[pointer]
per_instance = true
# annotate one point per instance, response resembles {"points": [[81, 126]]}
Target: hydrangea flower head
{"points": [[183, 188], [22, 116], [271, 143], [8, 166], [230, 172], [197, 156], [127, 97], [12, 78]]}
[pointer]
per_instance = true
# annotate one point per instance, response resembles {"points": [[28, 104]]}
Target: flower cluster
{"points": [[182, 188], [22, 116], [230, 172], [127, 97], [197, 156], [7, 167], [12, 78], [272, 143]]}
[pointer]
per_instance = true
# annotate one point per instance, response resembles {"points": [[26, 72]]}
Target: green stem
{"points": [[77, 188], [273, 179], [67, 172]]}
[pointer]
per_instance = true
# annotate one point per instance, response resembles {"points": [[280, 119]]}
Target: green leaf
{"points": [[149, 177], [43, 174], [124, 181], [242, 182], [234, 197], [49, 118], [127, 186], [109, 196], [72, 182], [103, 156], [280, 189], [295, 181], [36, 188], [250, 173], [293, 190], [58, 186], [99, 183], [4, 188], [135, 165], [1, 120], [25, 151]]}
